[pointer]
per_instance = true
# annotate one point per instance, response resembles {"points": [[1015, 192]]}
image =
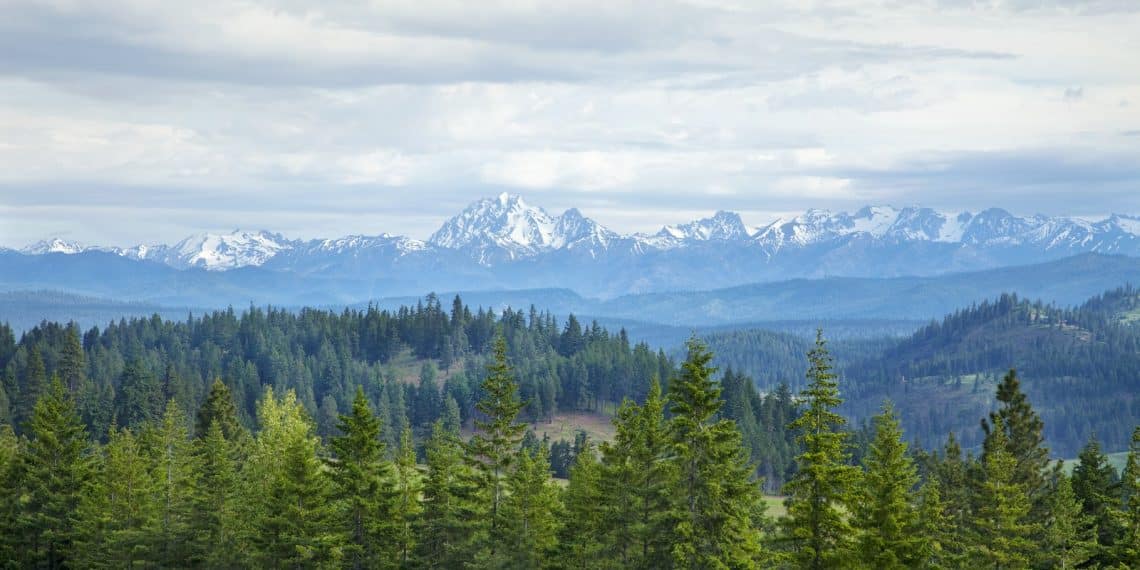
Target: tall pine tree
{"points": [[718, 502], [816, 527]]}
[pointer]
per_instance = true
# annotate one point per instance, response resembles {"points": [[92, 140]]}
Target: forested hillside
{"points": [[1080, 367]]}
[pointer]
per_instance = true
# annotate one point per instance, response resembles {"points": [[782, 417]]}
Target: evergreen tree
{"points": [[174, 472], [215, 514], [1024, 439], [935, 530], [531, 513], [884, 515], [35, 384], [1069, 540], [1096, 485], [1003, 531], [364, 484], [10, 474], [637, 483], [409, 486], [73, 362], [816, 527], [581, 538], [117, 511], [1128, 546], [494, 446], [139, 398], [446, 532], [219, 407], [717, 498], [55, 472], [292, 520]]}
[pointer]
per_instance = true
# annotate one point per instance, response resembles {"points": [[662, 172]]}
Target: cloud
{"points": [[388, 116]]}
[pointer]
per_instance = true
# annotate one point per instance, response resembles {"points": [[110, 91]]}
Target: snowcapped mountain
{"points": [[505, 242], [54, 245], [506, 228]]}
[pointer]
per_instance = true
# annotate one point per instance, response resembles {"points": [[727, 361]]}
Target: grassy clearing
{"points": [[1116, 460], [563, 426], [776, 507]]}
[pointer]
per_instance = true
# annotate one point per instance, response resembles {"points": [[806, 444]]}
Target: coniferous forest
{"points": [[410, 439]]}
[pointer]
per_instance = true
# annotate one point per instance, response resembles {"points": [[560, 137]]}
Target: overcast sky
{"points": [[126, 121]]}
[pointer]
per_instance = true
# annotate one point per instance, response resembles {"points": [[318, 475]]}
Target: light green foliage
{"points": [[1003, 530], [816, 527], [292, 519], [118, 512], [636, 485], [494, 447], [531, 513], [885, 513], [446, 529], [581, 538], [1069, 540], [174, 472], [1128, 547], [717, 500], [55, 471], [364, 483], [409, 487], [216, 521]]}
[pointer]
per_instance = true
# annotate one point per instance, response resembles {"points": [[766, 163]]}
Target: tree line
{"points": [[675, 488]]}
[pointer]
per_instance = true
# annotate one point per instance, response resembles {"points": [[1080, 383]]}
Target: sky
{"points": [[133, 121]]}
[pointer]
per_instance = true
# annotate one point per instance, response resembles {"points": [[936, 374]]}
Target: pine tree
{"points": [[816, 527], [717, 498], [117, 511], [1128, 546], [531, 513], [219, 407], [935, 529], [1069, 540], [1003, 531], [637, 482], [1024, 439], [292, 520], [73, 362], [445, 532], [55, 472], [139, 397], [409, 486], [174, 474], [364, 481], [35, 384], [494, 446], [884, 515], [580, 540], [1096, 485], [10, 475], [215, 514]]}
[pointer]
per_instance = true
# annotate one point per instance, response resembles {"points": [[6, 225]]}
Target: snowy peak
{"points": [[494, 229], [54, 245], [216, 252], [722, 226]]}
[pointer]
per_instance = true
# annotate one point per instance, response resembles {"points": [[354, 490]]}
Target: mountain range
{"points": [[505, 243]]}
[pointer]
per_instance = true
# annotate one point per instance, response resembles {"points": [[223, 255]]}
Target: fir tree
{"points": [[884, 515], [214, 520], [10, 474], [531, 513], [408, 508], [364, 484], [1003, 531], [1069, 540], [495, 444], [174, 473], [637, 482], [718, 500], [117, 511], [1024, 439], [581, 538], [1128, 546], [291, 524], [1096, 485], [55, 472], [816, 527], [35, 384], [219, 407], [446, 532]]}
